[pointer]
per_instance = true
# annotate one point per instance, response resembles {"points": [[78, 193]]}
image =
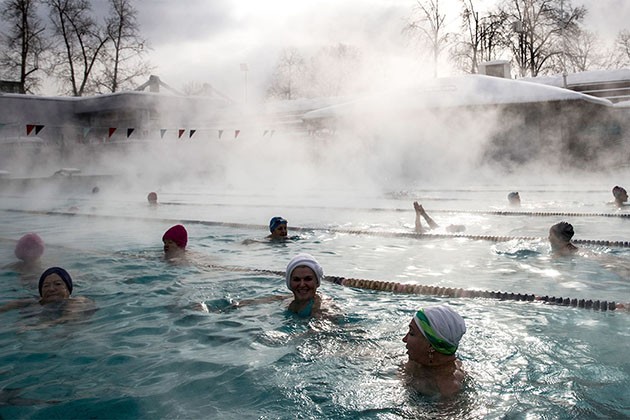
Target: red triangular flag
{"points": [[38, 128], [181, 132], [111, 131], [236, 133], [29, 128], [129, 131], [190, 134], [220, 133], [162, 132]]}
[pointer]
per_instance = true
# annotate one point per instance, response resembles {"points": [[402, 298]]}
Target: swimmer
{"points": [[55, 287], [96, 190], [175, 240], [303, 277], [152, 198], [560, 236], [620, 194], [514, 199], [420, 211], [278, 228], [432, 340]]}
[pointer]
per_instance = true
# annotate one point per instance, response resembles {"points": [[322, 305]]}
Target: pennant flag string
{"points": [[111, 131], [190, 134], [29, 128], [129, 131], [38, 128], [180, 133], [236, 133], [162, 132], [220, 134]]}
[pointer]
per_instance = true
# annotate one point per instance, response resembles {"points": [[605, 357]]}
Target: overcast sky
{"points": [[206, 40]]}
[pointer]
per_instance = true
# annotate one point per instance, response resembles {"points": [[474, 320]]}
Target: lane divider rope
{"points": [[412, 235]]}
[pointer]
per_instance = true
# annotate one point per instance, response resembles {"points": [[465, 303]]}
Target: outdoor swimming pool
{"points": [[147, 354]]}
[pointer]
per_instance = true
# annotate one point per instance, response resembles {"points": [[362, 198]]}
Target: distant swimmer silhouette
{"points": [[514, 199], [620, 194], [152, 198], [560, 236], [421, 212], [431, 342]]}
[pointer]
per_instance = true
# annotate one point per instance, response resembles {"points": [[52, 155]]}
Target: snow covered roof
{"points": [[460, 91], [582, 78]]}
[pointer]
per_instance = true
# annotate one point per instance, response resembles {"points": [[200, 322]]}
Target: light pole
{"points": [[564, 45], [245, 69]]}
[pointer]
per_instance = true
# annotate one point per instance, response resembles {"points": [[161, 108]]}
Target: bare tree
{"points": [[80, 41], [287, 80], [24, 43], [428, 25], [334, 70], [122, 60], [481, 38], [583, 52], [620, 56], [536, 28]]}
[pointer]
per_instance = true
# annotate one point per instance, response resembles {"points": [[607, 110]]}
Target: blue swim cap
{"points": [[275, 222], [61, 273]]}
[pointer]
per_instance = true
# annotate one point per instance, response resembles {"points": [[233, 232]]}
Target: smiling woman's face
{"points": [[303, 283], [54, 289]]}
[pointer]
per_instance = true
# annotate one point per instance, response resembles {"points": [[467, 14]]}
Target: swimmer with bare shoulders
{"points": [[621, 196], [55, 288], [28, 250], [431, 341]]}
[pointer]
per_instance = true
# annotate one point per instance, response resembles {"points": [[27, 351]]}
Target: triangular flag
{"points": [[38, 128], [29, 128], [162, 132], [236, 133], [272, 131], [111, 131], [180, 133], [86, 131], [220, 133], [265, 133], [190, 134], [129, 131]]}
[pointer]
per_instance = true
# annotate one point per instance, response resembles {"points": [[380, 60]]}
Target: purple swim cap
{"points": [[29, 248]]}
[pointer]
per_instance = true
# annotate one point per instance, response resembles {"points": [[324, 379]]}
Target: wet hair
{"points": [[562, 230], [514, 197]]}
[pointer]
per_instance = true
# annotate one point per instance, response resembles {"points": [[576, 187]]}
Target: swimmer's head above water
{"points": [[278, 228], [560, 236], [514, 199], [175, 240], [152, 197], [55, 284], [620, 194], [440, 330], [29, 248], [303, 276]]}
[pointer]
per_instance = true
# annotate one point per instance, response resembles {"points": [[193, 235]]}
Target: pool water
{"points": [[147, 353]]}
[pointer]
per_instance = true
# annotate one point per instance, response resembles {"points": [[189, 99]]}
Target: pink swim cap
{"points": [[178, 235], [29, 248]]}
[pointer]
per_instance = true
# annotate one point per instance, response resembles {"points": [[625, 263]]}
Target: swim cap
{"points": [[152, 197], [275, 222], [442, 326], [562, 230], [61, 273], [305, 260], [29, 247], [178, 235], [618, 191]]}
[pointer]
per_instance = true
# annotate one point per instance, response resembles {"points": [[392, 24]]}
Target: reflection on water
{"points": [[147, 354]]}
